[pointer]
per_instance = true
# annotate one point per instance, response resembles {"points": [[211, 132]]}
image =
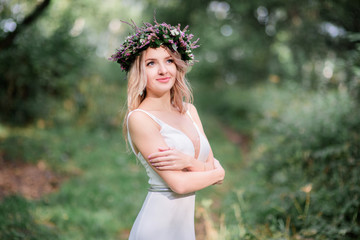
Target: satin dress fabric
{"points": [[166, 215]]}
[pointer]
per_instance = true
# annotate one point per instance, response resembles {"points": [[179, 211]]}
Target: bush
{"points": [[307, 149], [35, 70]]}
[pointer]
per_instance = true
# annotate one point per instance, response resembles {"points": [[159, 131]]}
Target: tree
{"points": [[35, 63], [310, 42], [36, 13]]}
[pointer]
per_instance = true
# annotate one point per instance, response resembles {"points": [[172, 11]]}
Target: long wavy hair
{"points": [[136, 91]]}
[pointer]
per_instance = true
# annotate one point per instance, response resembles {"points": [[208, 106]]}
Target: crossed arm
{"points": [[171, 159], [148, 140]]}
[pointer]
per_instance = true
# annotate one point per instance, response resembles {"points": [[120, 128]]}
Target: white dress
{"points": [[166, 215]]}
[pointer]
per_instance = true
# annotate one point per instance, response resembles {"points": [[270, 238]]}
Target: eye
{"points": [[170, 60], [151, 63]]}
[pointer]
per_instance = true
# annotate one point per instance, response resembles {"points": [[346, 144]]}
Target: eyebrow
{"points": [[152, 59]]}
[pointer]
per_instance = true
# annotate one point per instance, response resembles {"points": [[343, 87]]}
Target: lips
{"points": [[163, 80]]}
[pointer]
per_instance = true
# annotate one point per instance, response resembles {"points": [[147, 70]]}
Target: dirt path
{"points": [[29, 180], [243, 141], [206, 225]]}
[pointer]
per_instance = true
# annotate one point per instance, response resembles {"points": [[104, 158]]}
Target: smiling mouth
{"points": [[166, 79]]}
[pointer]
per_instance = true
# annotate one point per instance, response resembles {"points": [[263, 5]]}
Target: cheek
{"points": [[150, 73], [173, 70], [150, 78]]}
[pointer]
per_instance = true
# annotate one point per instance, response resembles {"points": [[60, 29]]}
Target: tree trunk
{"points": [[32, 17]]}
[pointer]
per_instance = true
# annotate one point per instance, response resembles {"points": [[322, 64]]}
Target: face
{"points": [[160, 71]]}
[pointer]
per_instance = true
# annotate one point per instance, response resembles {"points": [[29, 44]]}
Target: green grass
{"points": [[17, 221], [101, 200]]}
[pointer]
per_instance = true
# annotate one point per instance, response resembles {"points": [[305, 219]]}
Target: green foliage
{"points": [[93, 203], [96, 201], [17, 222], [306, 149], [310, 42], [102, 193], [40, 66], [22, 148]]}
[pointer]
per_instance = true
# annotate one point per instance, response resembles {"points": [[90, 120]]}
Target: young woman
{"points": [[164, 131]]}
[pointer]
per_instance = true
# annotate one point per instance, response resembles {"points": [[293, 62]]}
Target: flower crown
{"points": [[155, 36]]}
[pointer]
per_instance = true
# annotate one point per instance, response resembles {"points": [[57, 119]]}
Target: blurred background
{"points": [[277, 86]]}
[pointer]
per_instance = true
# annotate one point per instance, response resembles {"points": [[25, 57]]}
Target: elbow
{"points": [[180, 189]]}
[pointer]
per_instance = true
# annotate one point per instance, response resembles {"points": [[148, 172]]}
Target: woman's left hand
{"points": [[170, 159], [218, 166]]}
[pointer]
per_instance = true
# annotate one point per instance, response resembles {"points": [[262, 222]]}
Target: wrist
{"points": [[191, 162], [220, 173], [206, 166]]}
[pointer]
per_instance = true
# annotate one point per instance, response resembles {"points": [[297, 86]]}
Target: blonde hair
{"points": [[136, 92]]}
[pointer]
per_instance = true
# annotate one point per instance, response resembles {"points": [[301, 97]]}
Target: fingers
{"points": [[161, 149], [162, 152], [167, 168], [219, 182], [160, 158], [164, 165], [162, 162], [168, 159], [158, 154]]}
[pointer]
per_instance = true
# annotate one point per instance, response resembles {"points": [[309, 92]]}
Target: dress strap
{"points": [[128, 132], [188, 113], [147, 113], [127, 124], [195, 124]]}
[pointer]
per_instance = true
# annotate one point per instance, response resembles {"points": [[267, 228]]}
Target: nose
{"points": [[162, 69]]}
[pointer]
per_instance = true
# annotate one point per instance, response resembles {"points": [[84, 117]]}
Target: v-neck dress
{"points": [[166, 215]]}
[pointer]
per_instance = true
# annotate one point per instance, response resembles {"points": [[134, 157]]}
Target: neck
{"points": [[156, 103]]}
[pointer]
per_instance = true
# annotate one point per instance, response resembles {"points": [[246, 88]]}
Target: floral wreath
{"points": [[155, 36]]}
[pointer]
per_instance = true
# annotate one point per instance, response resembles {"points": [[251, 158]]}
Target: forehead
{"points": [[156, 53]]}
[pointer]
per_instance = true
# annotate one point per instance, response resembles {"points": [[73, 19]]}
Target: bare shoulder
{"points": [[145, 133], [140, 121], [192, 109]]}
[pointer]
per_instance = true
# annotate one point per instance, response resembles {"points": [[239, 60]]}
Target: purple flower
{"points": [[158, 34]]}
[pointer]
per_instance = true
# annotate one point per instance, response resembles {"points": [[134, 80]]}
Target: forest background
{"points": [[277, 85]]}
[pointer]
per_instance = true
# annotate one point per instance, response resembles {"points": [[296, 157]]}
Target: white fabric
{"points": [[167, 215]]}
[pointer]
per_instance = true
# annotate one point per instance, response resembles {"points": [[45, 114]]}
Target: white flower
{"points": [[174, 32]]}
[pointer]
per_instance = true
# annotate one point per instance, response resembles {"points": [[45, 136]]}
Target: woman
{"points": [[164, 130]]}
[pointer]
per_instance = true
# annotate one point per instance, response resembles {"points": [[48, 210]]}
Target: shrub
{"points": [[307, 149], [35, 70]]}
